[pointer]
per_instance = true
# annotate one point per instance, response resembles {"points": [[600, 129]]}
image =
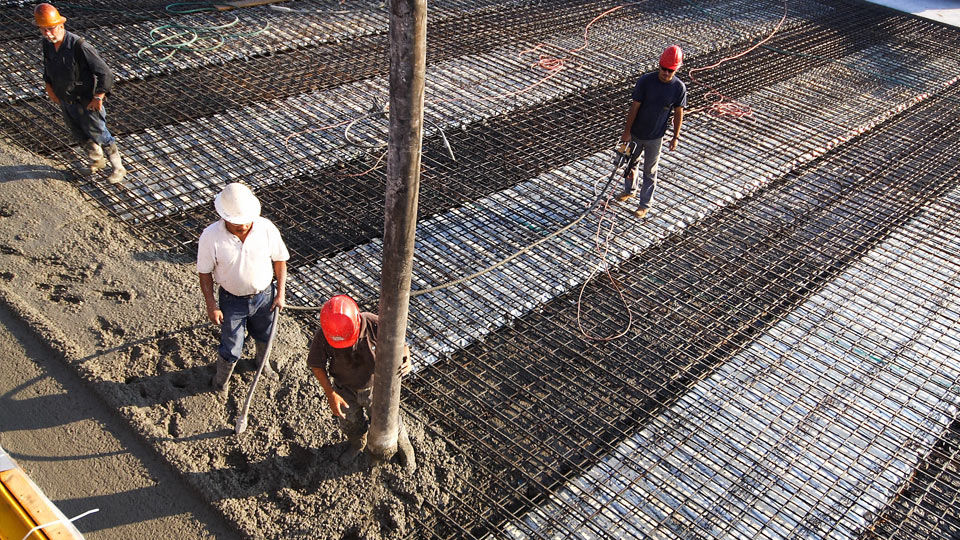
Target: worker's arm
{"points": [[50, 94], [97, 102], [213, 310], [677, 121], [337, 403], [631, 116], [405, 366], [280, 270]]}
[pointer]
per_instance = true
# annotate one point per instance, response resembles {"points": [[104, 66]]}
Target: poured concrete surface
{"points": [[129, 322]]}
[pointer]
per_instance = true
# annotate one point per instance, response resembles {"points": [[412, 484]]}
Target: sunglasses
{"points": [[666, 70]]}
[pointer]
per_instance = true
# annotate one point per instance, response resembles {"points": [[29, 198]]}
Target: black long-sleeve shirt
{"points": [[75, 75]]}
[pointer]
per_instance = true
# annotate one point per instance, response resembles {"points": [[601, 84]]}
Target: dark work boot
{"points": [[224, 370], [405, 449], [353, 450], [118, 172], [95, 153], [261, 352]]}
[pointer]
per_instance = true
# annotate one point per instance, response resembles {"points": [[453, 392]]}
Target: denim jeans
{"points": [[86, 124], [252, 314], [357, 421], [651, 160]]}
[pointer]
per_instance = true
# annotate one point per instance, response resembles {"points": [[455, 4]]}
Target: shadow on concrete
{"points": [[12, 173]]}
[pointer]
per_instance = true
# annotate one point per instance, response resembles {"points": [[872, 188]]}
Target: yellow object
{"points": [[23, 507], [14, 520]]}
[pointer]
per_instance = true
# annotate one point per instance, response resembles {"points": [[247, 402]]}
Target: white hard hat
{"points": [[237, 204]]}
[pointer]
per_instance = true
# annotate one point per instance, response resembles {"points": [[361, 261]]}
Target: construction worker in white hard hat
{"points": [[78, 80], [243, 252], [655, 96]]}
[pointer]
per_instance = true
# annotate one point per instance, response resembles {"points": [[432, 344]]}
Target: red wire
{"points": [[722, 106]]}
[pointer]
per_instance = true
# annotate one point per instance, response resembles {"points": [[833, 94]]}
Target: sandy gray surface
{"points": [[129, 321], [83, 456]]}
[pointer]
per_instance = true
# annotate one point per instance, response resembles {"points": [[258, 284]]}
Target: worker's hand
{"points": [[95, 104], [673, 143], [625, 138], [215, 315], [278, 303], [405, 366], [337, 405]]}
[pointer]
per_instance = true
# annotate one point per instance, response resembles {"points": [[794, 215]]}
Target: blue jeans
{"points": [[86, 124], [252, 313], [651, 161]]}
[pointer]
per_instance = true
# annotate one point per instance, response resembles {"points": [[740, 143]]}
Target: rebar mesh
{"points": [[786, 249]]}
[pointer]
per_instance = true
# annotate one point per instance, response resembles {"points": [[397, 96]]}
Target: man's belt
{"points": [[244, 296]]}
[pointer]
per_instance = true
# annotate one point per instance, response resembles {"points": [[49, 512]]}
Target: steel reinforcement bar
{"points": [[533, 405]]}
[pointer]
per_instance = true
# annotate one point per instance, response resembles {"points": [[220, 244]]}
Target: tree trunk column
{"points": [[408, 29]]}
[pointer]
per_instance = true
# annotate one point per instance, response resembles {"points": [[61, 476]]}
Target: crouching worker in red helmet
{"points": [[655, 96], [342, 357]]}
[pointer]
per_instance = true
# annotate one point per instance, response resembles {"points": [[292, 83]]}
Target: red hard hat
{"points": [[340, 321], [672, 57], [46, 16]]}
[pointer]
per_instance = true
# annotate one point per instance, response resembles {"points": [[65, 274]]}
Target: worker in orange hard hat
{"points": [[78, 80], [345, 347], [655, 96]]}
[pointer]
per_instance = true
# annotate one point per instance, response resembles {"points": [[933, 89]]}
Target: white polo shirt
{"points": [[241, 268]]}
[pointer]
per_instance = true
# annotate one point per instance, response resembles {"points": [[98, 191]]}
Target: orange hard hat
{"points": [[46, 16], [340, 321], [672, 57]]}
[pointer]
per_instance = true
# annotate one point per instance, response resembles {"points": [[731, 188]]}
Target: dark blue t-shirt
{"points": [[657, 100]]}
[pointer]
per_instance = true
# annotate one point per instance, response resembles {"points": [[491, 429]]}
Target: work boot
{"points": [[405, 449], [624, 197], [224, 370], [261, 352], [641, 212], [95, 153], [118, 172], [353, 450]]}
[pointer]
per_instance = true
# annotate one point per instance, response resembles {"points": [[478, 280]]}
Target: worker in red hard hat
{"points": [[655, 96], [78, 80], [345, 348]]}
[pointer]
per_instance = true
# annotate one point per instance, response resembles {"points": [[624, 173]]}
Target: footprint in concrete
{"points": [[60, 294], [109, 333], [119, 296]]}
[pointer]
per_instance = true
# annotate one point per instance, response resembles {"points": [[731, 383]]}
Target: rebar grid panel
{"points": [[536, 405], [242, 155], [203, 92], [810, 430], [926, 505], [472, 236], [158, 188], [226, 36]]}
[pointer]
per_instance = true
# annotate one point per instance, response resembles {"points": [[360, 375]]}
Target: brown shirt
{"points": [[351, 367]]}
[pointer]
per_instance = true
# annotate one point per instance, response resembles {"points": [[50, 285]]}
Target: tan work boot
{"points": [[405, 449], [261, 352], [221, 380], [641, 212], [624, 197], [95, 153], [118, 172]]}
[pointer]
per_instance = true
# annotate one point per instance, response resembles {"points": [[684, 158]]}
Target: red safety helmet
{"points": [[47, 16], [340, 321], [672, 57]]}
